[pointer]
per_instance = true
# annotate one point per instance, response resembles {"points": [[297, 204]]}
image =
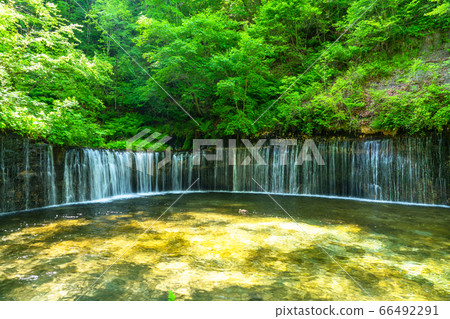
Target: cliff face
{"points": [[30, 177]]}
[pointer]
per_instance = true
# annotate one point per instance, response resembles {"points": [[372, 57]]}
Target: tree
{"points": [[42, 72]]}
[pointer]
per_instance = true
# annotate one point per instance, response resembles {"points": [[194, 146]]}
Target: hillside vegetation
{"points": [[94, 73]]}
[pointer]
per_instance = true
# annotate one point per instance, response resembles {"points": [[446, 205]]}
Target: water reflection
{"points": [[203, 249]]}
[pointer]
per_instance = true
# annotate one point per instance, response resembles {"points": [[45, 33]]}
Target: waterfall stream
{"points": [[402, 170], [413, 170]]}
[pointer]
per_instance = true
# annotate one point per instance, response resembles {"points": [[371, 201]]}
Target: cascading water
{"points": [[411, 170], [96, 174], [26, 173], [48, 176], [414, 170]]}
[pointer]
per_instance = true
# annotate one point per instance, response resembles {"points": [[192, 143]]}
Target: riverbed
{"points": [[202, 248]]}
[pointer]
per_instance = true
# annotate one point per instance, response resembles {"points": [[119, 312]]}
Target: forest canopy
{"points": [[96, 72]]}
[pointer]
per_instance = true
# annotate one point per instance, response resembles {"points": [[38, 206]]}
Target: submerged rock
{"points": [[243, 211]]}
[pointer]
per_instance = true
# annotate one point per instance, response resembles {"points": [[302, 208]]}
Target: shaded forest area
{"points": [[319, 67]]}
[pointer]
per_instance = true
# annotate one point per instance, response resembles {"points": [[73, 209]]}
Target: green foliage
{"points": [[171, 296], [68, 126], [309, 117], [22, 114], [417, 103], [184, 58], [354, 63], [416, 112], [441, 9], [125, 126], [47, 85]]}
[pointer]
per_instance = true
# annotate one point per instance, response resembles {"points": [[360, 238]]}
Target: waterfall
{"points": [[413, 170], [26, 173], [3, 178], [48, 175], [96, 174]]}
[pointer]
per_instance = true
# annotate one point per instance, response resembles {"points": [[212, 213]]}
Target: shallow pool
{"points": [[203, 249]]}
